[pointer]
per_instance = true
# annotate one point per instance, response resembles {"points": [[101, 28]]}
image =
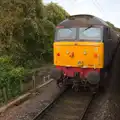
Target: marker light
{"points": [[95, 55], [58, 54]]}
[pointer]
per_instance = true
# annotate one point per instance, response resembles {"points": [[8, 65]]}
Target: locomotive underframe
{"points": [[78, 78]]}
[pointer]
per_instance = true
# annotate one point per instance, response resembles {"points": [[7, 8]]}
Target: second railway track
{"points": [[68, 106]]}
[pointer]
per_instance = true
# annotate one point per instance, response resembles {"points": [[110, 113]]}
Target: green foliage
{"points": [[10, 76], [26, 37], [112, 26], [55, 13], [5, 67], [5, 60], [15, 76], [27, 29]]}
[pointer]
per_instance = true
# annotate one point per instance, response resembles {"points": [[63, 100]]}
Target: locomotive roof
{"points": [[83, 19]]}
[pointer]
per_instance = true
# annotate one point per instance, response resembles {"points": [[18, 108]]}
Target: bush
{"points": [[5, 67], [16, 76], [11, 77]]}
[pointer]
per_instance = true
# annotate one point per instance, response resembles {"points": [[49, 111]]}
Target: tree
{"points": [[27, 29], [112, 25], [55, 13]]}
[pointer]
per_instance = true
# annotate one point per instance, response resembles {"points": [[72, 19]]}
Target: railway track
{"points": [[68, 105]]}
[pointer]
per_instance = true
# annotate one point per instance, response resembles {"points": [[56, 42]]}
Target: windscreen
{"points": [[66, 34], [81, 34], [90, 33]]}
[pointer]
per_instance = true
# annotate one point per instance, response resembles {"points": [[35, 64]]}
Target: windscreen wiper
{"points": [[87, 28]]}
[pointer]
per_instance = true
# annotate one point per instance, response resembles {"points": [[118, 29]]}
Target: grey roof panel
{"points": [[83, 19]]}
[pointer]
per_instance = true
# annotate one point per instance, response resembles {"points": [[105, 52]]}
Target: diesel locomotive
{"points": [[83, 50]]}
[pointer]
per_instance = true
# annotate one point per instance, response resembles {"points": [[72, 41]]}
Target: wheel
{"points": [[59, 83]]}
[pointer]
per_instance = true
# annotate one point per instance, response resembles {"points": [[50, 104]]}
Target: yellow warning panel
{"points": [[79, 54]]}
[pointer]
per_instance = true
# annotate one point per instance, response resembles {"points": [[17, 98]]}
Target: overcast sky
{"points": [[106, 9]]}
